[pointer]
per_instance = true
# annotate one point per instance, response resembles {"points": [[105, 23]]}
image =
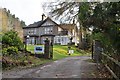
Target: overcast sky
{"points": [[29, 11]]}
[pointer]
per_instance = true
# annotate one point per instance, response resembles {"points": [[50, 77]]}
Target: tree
{"points": [[23, 23], [106, 21]]}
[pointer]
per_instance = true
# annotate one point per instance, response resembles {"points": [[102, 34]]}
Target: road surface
{"points": [[70, 67]]}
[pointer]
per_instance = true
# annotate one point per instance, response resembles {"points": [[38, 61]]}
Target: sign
{"points": [[71, 51], [39, 49]]}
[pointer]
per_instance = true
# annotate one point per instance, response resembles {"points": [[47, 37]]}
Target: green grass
{"points": [[60, 51]]}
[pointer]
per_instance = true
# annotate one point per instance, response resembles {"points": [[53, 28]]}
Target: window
{"points": [[48, 30], [34, 31], [31, 31], [58, 40]]}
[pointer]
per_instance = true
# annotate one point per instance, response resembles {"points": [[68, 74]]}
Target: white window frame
{"points": [[48, 30]]}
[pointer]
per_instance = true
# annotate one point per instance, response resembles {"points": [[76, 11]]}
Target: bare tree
{"points": [[67, 12]]}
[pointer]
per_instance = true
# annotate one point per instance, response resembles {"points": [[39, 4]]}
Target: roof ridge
{"points": [[39, 23]]}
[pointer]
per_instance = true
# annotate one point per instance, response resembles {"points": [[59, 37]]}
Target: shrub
{"points": [[10, 51], [11, 38], [4, 51]]}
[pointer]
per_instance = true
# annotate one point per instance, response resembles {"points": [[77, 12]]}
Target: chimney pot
{"points": [[43, 15]]}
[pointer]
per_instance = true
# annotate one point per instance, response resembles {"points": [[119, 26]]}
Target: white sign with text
{"points": [[38, 49]]}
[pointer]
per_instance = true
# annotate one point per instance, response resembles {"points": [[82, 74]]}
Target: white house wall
{"points": [[59, 29], [62, 40]]}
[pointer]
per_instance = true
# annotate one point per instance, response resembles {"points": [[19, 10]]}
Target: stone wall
{"points": [[8, 22]]}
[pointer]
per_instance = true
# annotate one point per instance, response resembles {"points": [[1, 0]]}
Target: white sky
{"points": [[29, 11]]}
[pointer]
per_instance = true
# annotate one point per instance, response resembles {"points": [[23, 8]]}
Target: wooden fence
{"points": [[112, 65]]}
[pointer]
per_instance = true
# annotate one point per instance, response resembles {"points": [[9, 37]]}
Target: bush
{"points": [[4, 51], [11, 38], [10, 51]]}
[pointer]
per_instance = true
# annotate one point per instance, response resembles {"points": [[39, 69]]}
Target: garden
{"points": [[15, 55]]}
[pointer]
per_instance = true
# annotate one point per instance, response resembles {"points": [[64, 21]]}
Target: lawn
{"points": [[60, 51]]}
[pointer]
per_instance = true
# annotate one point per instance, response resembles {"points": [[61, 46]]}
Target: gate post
{"points": [[97, 50], [51, 50], [46, 49]]}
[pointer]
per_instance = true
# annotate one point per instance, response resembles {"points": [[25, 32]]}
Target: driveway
{"points": [[70, 67]]}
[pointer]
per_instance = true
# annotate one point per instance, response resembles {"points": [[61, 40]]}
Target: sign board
{"points": [[71, 51], [38, 49]]}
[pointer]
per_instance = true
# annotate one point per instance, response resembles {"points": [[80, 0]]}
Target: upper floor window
{"points": [[31, 31], [48, 30]]}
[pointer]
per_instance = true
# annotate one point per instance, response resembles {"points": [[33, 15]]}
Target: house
{"points": [[47, 28], [39, 31], [70, 31]]}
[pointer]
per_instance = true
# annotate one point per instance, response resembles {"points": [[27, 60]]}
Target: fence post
{"points": [[92, 50]]}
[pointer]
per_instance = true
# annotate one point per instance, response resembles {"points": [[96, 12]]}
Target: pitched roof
{"points": [[36, 24], [39, 23], [67, 26]]}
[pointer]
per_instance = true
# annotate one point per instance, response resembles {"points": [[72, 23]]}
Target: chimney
{"points": [[73, 21], [43, 16]]}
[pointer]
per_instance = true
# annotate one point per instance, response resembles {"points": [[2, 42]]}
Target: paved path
{"points": [[71, 67]]}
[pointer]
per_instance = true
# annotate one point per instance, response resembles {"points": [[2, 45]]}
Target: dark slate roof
{"points": [[36, 24], [39, 23]]}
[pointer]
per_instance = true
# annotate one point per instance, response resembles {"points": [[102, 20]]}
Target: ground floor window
{"points": [[31, 40], [62, 40]]}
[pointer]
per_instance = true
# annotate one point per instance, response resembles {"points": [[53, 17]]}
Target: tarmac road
{"points": [[70, 67]]}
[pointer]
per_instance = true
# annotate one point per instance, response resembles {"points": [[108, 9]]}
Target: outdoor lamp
{"points": [[27, 37]]}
